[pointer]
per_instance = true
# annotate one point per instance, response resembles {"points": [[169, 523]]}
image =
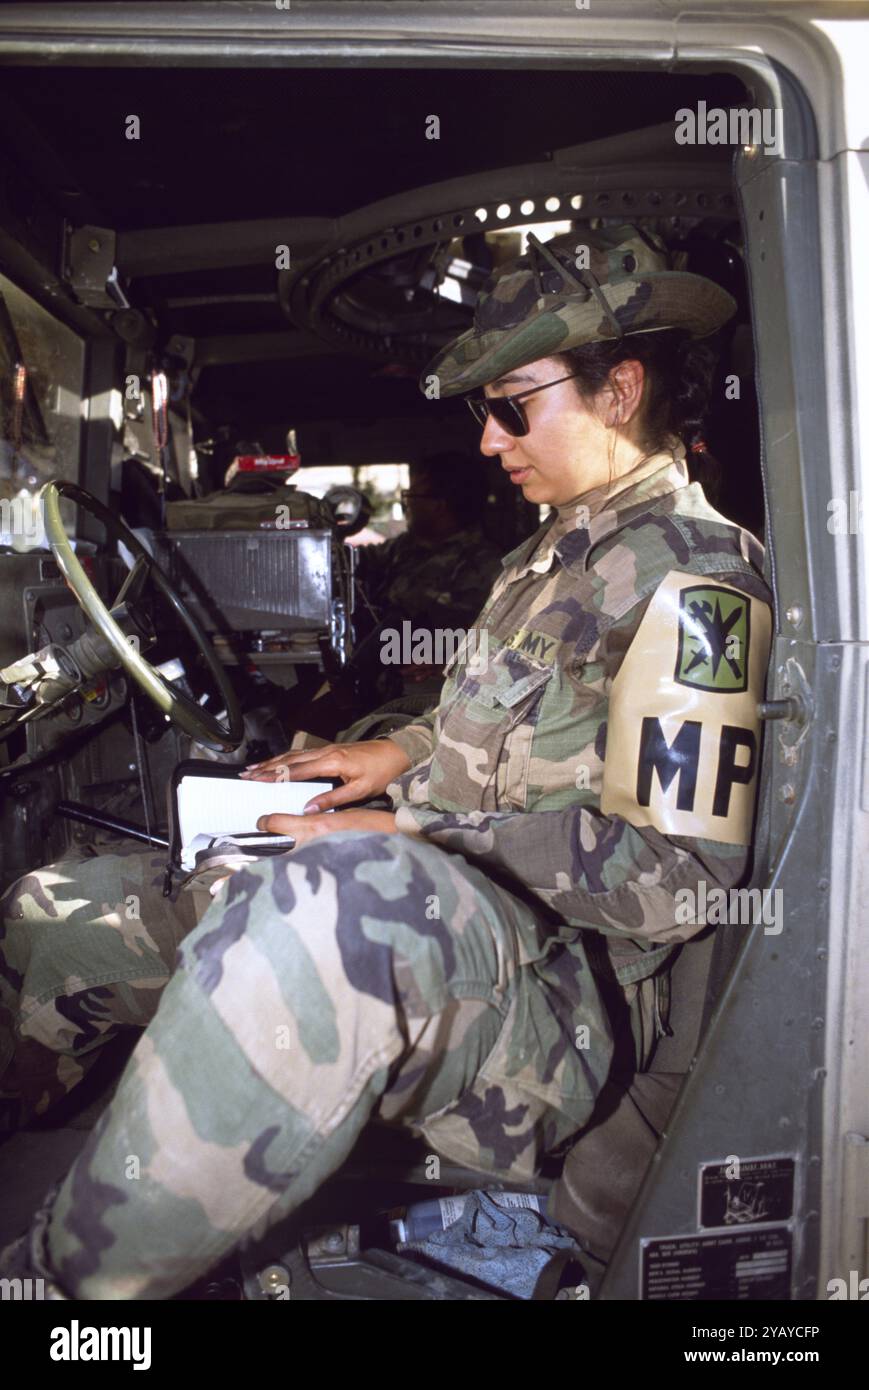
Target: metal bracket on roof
{"points": [[90, 269]]}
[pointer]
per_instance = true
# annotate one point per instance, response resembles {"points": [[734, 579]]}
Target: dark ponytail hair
{"points": [[679, 371]]}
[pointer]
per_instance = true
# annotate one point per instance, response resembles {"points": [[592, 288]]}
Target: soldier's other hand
{"points": [[365, 769], [312, 827]]}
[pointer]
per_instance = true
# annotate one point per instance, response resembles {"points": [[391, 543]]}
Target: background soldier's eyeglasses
{"points": [[408, 495], [507, 410]]}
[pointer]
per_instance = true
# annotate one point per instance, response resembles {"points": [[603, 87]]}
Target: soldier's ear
{"points": [[625, 385], [610, 405]]}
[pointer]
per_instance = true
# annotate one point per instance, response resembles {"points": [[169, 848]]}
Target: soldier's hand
{"points": [[365, 768], [311, 827]]}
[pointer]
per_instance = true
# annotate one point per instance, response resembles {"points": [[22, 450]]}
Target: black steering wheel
{"points": [[174, 704]]}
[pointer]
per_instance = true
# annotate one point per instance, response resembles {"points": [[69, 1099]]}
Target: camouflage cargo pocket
{"points": [[204, 883], [485, 731], [536, 1088]]}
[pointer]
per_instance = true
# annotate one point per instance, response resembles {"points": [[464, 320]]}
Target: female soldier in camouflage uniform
{"points": [[441, 965]]}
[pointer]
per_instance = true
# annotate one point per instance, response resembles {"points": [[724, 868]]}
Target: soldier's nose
{"points": [[496, 439]]}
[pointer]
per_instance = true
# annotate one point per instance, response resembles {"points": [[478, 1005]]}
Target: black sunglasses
{"points": [[507, 410]]}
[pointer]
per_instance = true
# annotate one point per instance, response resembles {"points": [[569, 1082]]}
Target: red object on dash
{"points": [[256, 463], [262, 463]]}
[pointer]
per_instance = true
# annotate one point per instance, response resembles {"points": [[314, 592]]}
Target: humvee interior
{"points": [[211, 257]]}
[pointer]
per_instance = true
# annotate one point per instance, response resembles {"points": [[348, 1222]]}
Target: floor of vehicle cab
{"points": [[37, 1156], [29, 1163]]}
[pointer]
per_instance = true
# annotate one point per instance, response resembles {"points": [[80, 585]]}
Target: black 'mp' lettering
{"points": [[728, 769], [681, 757]]}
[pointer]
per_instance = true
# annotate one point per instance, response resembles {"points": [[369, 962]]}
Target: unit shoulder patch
{"points": [[714, 635]]}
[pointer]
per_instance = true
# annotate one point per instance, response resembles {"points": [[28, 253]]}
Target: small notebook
{"points": [[211, 801]]}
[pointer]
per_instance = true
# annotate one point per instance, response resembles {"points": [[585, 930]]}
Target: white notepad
{"points": [[216, 806]]}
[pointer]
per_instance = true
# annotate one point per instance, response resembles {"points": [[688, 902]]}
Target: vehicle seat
{"points": [[606, 1165]]}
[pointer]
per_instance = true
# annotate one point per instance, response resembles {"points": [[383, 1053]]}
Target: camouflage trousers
{"points": [[86, 947], [362, 976]]}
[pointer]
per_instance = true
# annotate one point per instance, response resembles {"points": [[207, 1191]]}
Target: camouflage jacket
{"points": [[441, 581], [510, 769]]}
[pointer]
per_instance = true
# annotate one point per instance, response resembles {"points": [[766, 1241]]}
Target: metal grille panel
{"points": [[239, 580]]}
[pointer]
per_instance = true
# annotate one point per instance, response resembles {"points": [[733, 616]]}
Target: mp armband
{"points": [[683, 732]]}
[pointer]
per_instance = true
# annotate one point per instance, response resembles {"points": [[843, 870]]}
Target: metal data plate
{"points": [[728, 1266]]}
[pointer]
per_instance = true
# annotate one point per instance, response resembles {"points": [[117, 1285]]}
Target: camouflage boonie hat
{"points": [[543, 303]]}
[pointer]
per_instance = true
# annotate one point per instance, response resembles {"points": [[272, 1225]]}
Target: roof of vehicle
{"points": [[224, 154]]}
